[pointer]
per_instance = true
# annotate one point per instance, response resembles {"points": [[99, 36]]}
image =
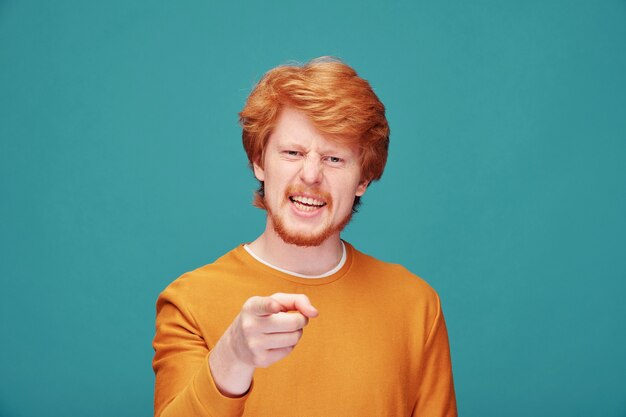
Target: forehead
{"points": [[294, 128]]}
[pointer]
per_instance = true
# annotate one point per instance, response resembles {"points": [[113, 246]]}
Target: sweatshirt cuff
{"points": [[216, 403]]}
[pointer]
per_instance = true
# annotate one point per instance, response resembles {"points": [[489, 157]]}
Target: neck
{"points": [[309, 260]]}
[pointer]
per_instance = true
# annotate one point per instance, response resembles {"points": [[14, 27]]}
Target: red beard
{"points": [[307, 239]]}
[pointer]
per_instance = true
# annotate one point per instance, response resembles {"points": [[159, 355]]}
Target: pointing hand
{"points": [[266, 330]]}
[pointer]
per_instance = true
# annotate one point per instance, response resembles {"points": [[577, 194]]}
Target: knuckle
{"points": [[253, 345], [249, 303], [247, 325], [261, 361], [296, 337], [299, 321]]}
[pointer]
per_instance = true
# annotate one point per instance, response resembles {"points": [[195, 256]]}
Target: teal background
{"points": [[121, 167]]}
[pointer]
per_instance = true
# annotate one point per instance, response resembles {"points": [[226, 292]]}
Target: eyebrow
{"points": [[291, 145], [325, 151]]}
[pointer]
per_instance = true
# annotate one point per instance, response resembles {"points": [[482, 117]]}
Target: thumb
{"points": [[296, 302]]}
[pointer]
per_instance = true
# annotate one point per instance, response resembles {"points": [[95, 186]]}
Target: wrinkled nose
{"points": [[311, 171]]}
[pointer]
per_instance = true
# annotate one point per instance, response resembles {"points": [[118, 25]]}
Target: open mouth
{"points": [[306, 203]]}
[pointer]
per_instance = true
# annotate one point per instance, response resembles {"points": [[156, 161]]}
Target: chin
{"points": [[304, 239]]}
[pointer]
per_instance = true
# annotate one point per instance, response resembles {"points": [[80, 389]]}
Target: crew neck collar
{"points": [[336, 273], [341, 263]]}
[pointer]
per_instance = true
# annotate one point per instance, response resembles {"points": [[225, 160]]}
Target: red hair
{"points": [[335, 99]]}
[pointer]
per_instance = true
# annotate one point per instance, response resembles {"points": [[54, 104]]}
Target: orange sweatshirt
{"points": [[378, 348]]}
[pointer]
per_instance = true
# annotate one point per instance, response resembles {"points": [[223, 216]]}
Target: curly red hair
{"points": [[336, 100]]}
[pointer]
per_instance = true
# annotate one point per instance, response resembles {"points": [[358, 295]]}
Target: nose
{"points": [[311, 171]]}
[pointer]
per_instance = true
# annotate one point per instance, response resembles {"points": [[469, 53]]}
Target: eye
{"points": [[334, 160], [291, 153]]}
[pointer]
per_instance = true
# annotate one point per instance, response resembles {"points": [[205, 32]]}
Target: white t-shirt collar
{"points": [[342, 261]]}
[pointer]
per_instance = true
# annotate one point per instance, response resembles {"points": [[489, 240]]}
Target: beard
{"points": [[307, 239]]}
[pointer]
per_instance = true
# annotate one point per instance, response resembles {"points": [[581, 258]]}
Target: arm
{"points": [[436, 391], [262, 334], [192, 382], [184, 385]]}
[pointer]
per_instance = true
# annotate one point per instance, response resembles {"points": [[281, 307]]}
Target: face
{"points": [[310, 181]]}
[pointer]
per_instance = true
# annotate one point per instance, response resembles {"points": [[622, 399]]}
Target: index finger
{"points": [[296, 302], [264, 306]]}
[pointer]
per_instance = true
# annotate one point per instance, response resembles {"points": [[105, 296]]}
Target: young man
{"points": [[299, 322]]}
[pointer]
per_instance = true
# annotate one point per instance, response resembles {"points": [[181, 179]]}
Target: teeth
{"points": [[308, 201], [303, 207]]}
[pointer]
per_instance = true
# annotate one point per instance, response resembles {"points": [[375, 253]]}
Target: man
{"points": [[230, 336]]}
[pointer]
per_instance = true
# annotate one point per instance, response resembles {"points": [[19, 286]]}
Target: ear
{"points": [[259, 172], [361, 188]]}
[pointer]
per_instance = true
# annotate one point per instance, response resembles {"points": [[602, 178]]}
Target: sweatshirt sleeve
{"points": [[184, 386], [436, 396]]}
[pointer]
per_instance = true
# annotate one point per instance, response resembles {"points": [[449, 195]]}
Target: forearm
{"points": [[200, 397], [191, 381], [184, 385]]}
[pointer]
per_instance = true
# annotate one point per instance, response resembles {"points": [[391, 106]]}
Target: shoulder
{"points": [[393, 278], [398, 292], [197, 285], [205, 300]]}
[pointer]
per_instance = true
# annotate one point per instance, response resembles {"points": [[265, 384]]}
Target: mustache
{"points": [[314, 192]]}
